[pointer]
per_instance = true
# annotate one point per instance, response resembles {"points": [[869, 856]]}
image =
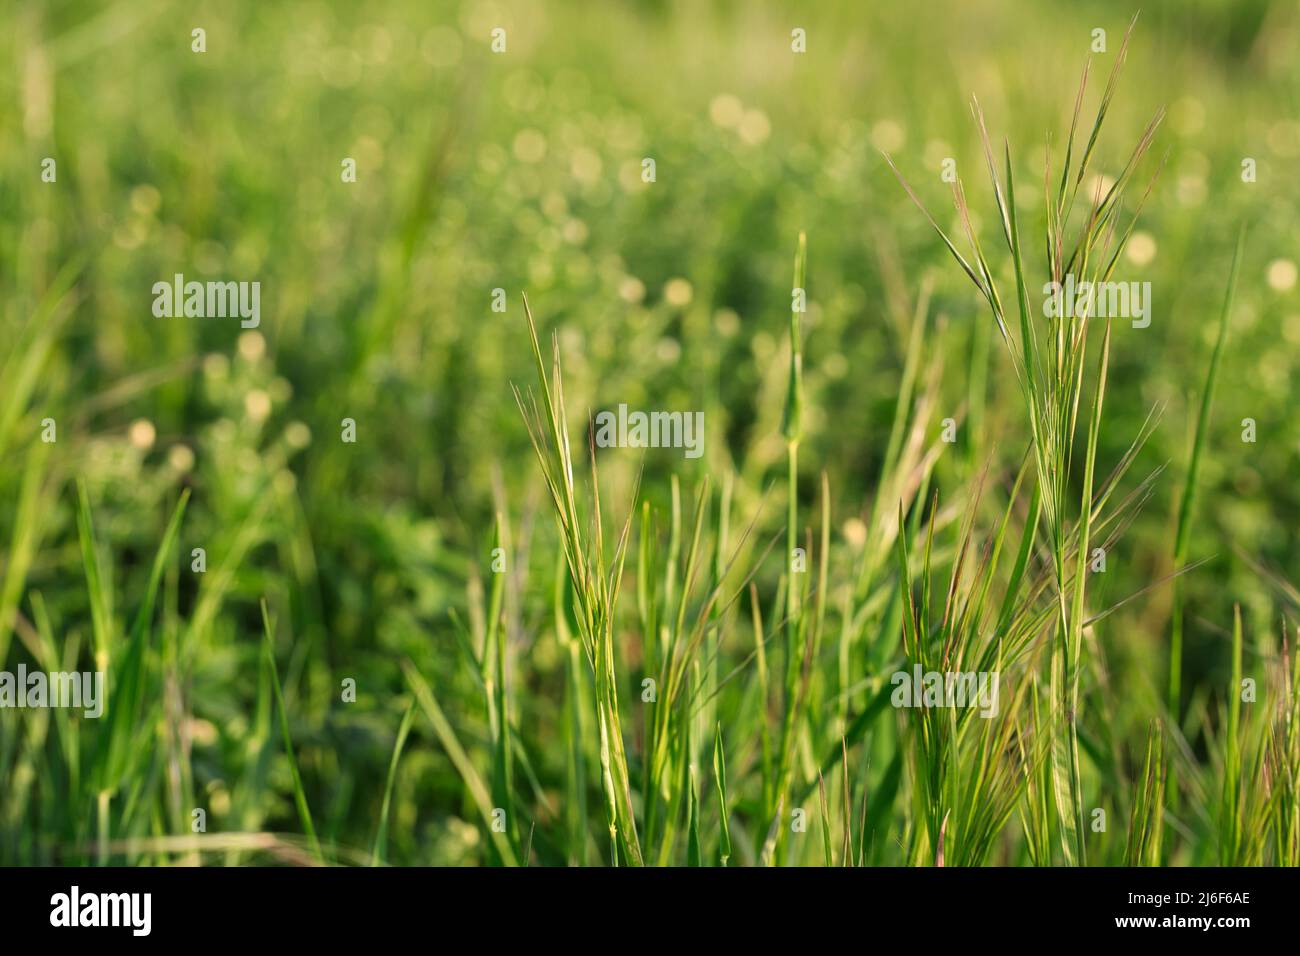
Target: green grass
{"points": [[568, 655]]}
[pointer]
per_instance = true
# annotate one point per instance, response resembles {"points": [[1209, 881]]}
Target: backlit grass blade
{"points": [[380, 848], [720, 784], [1182, 535], [299, 794]]}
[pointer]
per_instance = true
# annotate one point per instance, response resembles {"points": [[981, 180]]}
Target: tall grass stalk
{"points": [[792, 431]]}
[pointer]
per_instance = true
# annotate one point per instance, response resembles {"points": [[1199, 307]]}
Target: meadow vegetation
{"points": [[570, 654]]}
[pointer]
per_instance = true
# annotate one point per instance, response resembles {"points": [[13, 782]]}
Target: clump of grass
{"points": [[1050, 370], [1259, 763], [683, 597], [971, 771], [1282, 761], [596, 573], [1146, 823]]}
